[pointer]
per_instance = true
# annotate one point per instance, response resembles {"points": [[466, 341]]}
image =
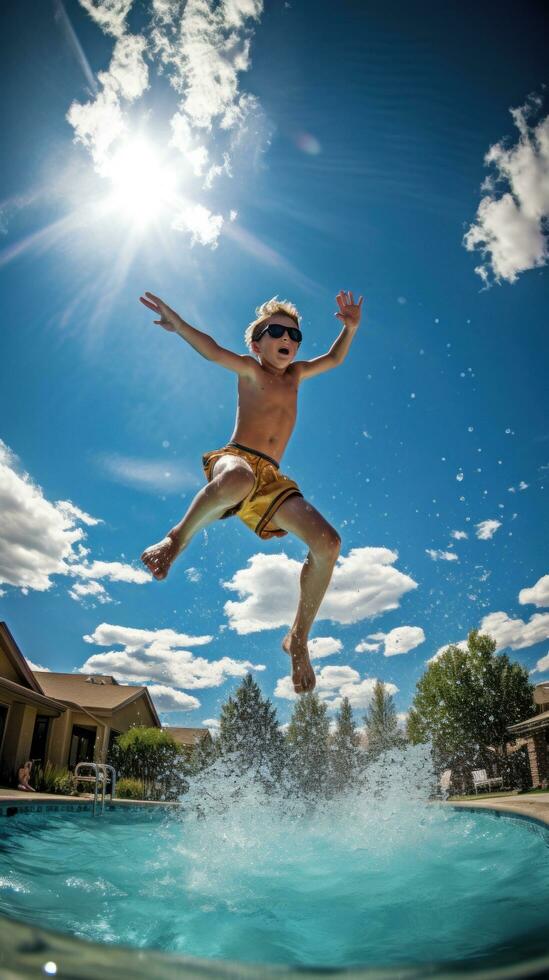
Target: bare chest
{"points": [[269, 395]]}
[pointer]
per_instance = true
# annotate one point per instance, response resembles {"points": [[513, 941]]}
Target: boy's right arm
{"points": [[241, 364]]}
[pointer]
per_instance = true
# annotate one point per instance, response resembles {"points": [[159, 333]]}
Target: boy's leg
{"points": [[301, 518], [232, 480]]}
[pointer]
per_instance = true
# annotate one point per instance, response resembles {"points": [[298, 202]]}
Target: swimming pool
{"points": [[326, 891]]}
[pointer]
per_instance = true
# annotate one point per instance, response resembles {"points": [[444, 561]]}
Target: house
{"points": [[98, 709], [535, 732], [62, 718], [26, 711], [188, 738]]}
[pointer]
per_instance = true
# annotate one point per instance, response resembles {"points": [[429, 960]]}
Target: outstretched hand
{"points": [[168, 317], [349, 311]]}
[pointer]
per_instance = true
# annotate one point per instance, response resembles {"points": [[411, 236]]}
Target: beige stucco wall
{"points": [[8, 670], [136, 713], [17, 736]]}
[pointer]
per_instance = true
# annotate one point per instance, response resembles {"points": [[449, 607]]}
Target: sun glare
{"points": [[142, 183]]}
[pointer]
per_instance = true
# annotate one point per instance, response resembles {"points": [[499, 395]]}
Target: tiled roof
{"points": [[89, 690]]}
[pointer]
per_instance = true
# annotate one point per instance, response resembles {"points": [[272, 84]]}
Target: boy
{"points": [[243, 477]]}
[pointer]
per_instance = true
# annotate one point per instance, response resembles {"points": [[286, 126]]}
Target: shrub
{"points": [[54, 779], [129, 789], [154, 758]]}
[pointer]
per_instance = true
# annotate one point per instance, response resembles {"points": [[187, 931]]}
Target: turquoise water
{"points": [[345, 885]]}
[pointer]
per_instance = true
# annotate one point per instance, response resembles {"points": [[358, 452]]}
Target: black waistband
{"points": [[255, 453]]}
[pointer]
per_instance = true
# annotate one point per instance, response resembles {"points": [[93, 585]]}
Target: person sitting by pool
{"points": [[23, 777]]}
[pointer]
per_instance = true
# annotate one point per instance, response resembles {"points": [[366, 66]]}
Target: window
{"points": [[82, 745], [39, 738], [3, 717]]}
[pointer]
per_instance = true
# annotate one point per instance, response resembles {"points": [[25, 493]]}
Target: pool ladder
{"points": [[99, 777]]}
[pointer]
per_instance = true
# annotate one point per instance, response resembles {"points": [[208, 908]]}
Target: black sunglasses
{"points": [[277, 330]]}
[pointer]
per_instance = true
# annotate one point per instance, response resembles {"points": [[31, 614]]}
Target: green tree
{"points": [[344, 757], [466, 700], [381, 722], [249, 728], [152, 756], [307, 739], [202, 756]]}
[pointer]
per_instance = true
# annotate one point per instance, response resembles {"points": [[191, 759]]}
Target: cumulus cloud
{"points": [[542, 665], [486, 529], [538, 595], [402, 639], [515, 633], [335, 683], [168, 699], [34, 666], [213, 724], [458, 535], [364, 584], [441, 555], [462, 644], [510, 229], [40, 539], [159, 656], [323, 646], [91, 589], [203, 47], [508, 632]]}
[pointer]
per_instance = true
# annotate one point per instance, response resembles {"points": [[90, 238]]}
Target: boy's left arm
{"points": [[349, 314]]}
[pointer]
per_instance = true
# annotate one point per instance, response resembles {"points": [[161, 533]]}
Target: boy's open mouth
{"points": [[283, 350]]}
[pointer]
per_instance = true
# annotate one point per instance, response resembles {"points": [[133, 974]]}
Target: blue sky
{"points": [[217, 156]]}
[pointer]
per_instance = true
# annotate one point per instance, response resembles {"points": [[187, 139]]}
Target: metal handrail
{"points": [[100, 775]]}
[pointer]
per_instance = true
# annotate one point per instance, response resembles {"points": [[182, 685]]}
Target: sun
{"points": [[142, 183]]}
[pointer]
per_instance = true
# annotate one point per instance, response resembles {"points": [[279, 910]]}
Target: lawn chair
{"points": [[480, 778], [445, 780]]}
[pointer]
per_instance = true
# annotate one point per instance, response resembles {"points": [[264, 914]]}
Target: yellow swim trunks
{"points": [[269, 491]]}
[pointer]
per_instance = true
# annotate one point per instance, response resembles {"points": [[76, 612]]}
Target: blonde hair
{"points": [[268, 309]]}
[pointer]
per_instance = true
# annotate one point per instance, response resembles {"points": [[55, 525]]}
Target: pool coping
{"points": [[536, 810]]}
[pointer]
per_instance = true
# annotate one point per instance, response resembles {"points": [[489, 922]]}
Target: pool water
{"points": [[338, 887]]}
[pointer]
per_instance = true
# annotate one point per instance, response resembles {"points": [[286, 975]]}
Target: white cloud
{"points": [[335, 683], [34, 666], [402, 639], [114, 571], [462, 644], [154, 476], [203, 226], [515, 633], [159, 656], [203, 46], [213, 724], [37, 538], [542, 665], [364, 584], [511, 229], [458, 535], [441, 555], [507, 632], [538, 595], [486, 529], [193, 575], [364, 647], [89, 590], [110, 15], [323, 646], [168, 699]]}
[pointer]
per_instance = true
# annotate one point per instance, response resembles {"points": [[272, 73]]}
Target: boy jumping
{"points": [[244, 476]]}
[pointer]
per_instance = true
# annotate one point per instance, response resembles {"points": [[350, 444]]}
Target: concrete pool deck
{"points": [[23, 796], [536, 806]]}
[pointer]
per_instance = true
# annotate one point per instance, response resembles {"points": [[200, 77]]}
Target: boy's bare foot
{"points": [[159, 557], [303, 675]]}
